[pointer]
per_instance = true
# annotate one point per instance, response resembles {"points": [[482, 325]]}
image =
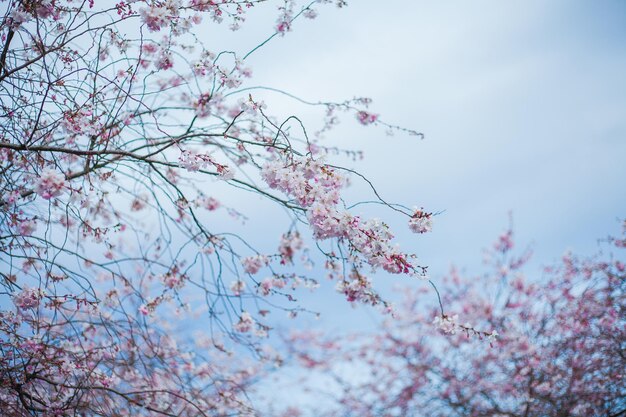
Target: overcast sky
{"points": [[523, 105]]}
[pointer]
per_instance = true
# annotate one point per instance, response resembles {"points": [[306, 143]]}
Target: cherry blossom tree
{"points": [[559, 349], [121, 133]]}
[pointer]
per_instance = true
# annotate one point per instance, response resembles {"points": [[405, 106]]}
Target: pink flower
{"points": [[50, 184], [11, 197], [208, 203], [193, 161], [505, 242], [225, 172], [245, 324], [237, 287], [206, 103], [283, 26], [279, 283], [421, 222], [164, 62], [172, 280], [366, 118], [139, 203], [252, 264], [28, 298], [154, 17], [448, 324], [26, 227], [19, 16], [266, 286], [289, 244], [143, 309]]}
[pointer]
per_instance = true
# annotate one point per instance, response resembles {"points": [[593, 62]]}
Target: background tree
{"points": [[559, 351], [120, 131]]}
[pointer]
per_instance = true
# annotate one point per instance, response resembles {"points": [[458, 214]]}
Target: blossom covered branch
{"points": [[121, 137]]}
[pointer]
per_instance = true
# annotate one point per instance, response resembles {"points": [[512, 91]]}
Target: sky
{"points": [[522, 104], [523, 107]]}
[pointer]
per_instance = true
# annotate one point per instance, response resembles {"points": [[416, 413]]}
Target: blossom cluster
{"points": [[421, 222], [290, 243], [97, 280], [28, 298], [366, 118], [193, 161], [554, 348], [252, 264], [316, 187], [50, 184]]}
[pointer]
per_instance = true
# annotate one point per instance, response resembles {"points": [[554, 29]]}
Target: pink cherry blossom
{"points": [[50, 184], [237, 287], [252, 264], [366, 118], [155, 17], [245, 323], [28, 298], [535, 346], [130, 293], [421, 222]]}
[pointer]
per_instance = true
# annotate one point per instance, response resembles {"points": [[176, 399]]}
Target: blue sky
{"points": [[523, 105]]}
